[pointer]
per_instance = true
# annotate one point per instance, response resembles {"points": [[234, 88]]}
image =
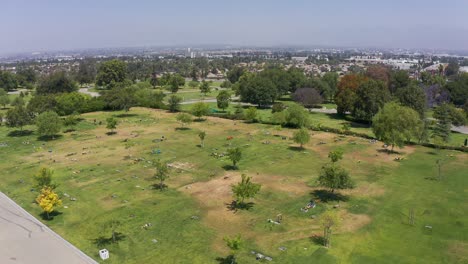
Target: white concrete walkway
{"points": [[25, 240]]}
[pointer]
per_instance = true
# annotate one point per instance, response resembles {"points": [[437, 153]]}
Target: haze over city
{"points": [[228, 132], [61, 25]]}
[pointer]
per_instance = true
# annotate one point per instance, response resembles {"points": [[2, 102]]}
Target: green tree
{"points": [[329, 220], [370, 97], [301, 136], [68, 103], [8, 81], [251, 114], [457, 118], [334, 177], [235, 155], [412, 96], [4, 99], [71, 121], [111, 72], [245, 189], [399, 79], [162, 173], [331, 78], [297, 116], [335, 155], [111, 124], [48, 124], [205, 87], [202, 135], [120, 97], [258, 90], [86, 72], [234, 244], [150, 98], [200, 109], [27, 75], [193, 84], [18, 101], [17, 117], [43, 179], [154, 81], [223, 99], [58, 82], [174, 103], [442, 129], [394, 124], [235, 73], [184, 119]]}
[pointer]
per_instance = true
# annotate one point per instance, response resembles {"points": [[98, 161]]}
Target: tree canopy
{"points": [[394, 124]]}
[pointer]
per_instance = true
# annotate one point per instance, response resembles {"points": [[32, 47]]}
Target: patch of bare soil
{"points": [[353, 222], [459, 251]]}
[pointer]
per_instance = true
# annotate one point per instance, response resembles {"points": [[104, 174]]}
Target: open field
{"points": [[111, 178]]}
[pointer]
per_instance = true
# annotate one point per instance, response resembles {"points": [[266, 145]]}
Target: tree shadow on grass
{"points": [[328, 196], [389, 151], [318, 240], [158, 186], [103, 241], [296, 148], [51, 216], [110, 133], [227, 260], [20, 133], [182, 128], [49, 138], [229, 167], [235, 206], [126, 115]]}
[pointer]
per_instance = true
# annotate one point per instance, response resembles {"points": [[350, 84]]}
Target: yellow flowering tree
{"points": [[48, 200]]}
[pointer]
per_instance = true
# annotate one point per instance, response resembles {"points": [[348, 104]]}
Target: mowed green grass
{"points": [[110, 185]]}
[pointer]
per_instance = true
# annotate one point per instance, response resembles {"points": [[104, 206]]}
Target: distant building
{"points": [[464, 69]]}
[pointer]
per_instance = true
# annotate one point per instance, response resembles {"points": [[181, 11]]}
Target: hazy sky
{"points": [[30, 25]]}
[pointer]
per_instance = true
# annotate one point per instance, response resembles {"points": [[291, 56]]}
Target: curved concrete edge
{"points": [[75, 250]]}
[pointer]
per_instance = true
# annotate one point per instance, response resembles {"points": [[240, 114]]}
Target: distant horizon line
{"points": [[219, 46]]}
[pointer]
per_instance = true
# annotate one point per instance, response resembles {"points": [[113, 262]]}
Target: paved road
{"points": [[86, 91], [25, 240]]}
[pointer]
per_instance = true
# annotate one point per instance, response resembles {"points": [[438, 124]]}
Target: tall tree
{"points": [[200, 110], [346, 95], [394, 124], [331, 78], [223, 99], [8, 81], [4, 99], [370, 97], [308, 97], [86, 72], [205, 87], [301, 136], [48, 124], [412, 96], [111, 72], [17, 117], [235, 73], [58, 82], [174, 103]]}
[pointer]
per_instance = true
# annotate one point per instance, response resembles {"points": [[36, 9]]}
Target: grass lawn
{"points": [[111, 179]]}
